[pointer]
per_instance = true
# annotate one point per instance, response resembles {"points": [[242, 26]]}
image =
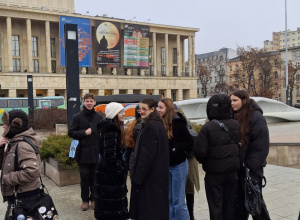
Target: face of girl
{"points": [[161, 109], [121, 115], [236, 103], [144, 110]]}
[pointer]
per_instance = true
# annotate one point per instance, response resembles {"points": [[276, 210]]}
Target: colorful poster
{"points": [[136, 46], [84, 39], [108, 46]]}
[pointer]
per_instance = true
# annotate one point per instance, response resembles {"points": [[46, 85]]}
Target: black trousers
{"points": [[87, 173], [220, 193]]}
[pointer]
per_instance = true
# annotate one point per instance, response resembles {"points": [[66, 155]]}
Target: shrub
{"points": [[196, 127], [47, 118], [58, 146]]}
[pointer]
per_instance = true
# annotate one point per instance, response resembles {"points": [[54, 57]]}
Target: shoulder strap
{"points": [[232, 136]]}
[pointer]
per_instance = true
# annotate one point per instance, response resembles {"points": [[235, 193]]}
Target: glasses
{"points": [[142, 110]]}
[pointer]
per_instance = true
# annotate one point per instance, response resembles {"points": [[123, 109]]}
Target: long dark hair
{"points": [[244, 115], [168, 117], [119, 125], [151, 104]]}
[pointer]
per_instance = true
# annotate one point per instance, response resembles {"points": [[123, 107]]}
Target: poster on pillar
{"points": [[107, 45], [136, 46], [84, 39]]}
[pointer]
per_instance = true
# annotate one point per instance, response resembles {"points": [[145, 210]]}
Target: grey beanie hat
{"points": [[112, 109]]}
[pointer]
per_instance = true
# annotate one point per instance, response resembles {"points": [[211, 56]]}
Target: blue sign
{"points": [[84, 39]]}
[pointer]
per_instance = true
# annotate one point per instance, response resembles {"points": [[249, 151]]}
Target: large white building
{"points": [[30, 45]]}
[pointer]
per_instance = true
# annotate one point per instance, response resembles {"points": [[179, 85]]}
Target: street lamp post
{"points": [[286, 60]]}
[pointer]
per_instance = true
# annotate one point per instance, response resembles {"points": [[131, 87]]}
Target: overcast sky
{"points": [[222, 23]]}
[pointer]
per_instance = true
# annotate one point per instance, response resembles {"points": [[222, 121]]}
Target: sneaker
{"points": [[85, 206], [93, 205]]}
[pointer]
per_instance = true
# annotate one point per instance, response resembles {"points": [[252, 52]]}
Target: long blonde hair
{"points": [[167, 118]]}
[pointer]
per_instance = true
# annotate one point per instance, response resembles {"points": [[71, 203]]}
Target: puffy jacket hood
{"points": [[219, 107], [31, 135], [255, 106]]}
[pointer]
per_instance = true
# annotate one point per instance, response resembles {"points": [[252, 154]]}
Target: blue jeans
{"points": [[177, 181]]}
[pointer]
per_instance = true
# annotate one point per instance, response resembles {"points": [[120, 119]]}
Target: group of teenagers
{"points": [[155, 149], [159, 153]]}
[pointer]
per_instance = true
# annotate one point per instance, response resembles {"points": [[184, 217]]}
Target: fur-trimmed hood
{"points": [[17, 122]]}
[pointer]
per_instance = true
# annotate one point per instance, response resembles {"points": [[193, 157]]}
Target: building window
{"points": [[276, 87], [260, 76], [174, 53], [236, 67], [163, 70], [276, 75], [15, 46], [276, 98], [276, 62], [175, 71], [16, 65], [163, 55], [230, 68], [53, 66], [216, 80], [35, 65], [53, 49], [34, 41]]}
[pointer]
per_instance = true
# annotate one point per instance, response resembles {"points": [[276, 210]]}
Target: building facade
{"points": [[30, 45], [278, 40], [293, 56], [238, 77], [216, 64]]}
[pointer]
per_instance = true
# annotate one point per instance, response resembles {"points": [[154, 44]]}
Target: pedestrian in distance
{"points": [[84, 129], [254, 139], [149, 183], [180, 147], [218, 152], [26, 177]]}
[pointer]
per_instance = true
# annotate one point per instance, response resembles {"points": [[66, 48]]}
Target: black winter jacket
{"points": [[110, 176], [213, 147], [150, 180], [87, 150], [258, 147], [181, 143]]}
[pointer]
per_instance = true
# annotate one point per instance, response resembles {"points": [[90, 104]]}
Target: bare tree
{"points": [[218, 66], [254, 72], [292, 78], [203, 77]]}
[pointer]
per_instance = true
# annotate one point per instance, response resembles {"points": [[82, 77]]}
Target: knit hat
{"points": [[17, 122], [112, 109]]}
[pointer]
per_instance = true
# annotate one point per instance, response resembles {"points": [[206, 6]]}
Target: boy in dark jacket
{"points": [[219, 155], [84, 129]]}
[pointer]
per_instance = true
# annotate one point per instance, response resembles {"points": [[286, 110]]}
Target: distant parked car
{"points": [[297, 105]]}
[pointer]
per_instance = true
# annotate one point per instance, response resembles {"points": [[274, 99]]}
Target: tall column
{"points": [[167, 54], [155, 91], [179, 94], [101, 92], [154, 53], [116, 92], [48, 46], [129, 91], [114, 71], [99, 71], [168, 93], [129, 72], [29, 45], [142, 72], [9, 47], [12, 93], [193, 57], [51, 92], [183, 59], [143, 91], [178, 56], [190, 55]]}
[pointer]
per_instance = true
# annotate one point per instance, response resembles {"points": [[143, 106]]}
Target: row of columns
{"points": [[180, 51], [29, 44]]}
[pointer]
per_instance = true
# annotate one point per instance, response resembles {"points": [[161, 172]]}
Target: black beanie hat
{"points": [[17, 122]]}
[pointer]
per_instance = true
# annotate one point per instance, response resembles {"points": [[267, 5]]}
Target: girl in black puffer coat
{"points": [[111, 173], [219, 155]]}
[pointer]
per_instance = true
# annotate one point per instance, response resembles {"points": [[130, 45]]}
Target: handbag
{"points": [[251, 188], [43, 209]]}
